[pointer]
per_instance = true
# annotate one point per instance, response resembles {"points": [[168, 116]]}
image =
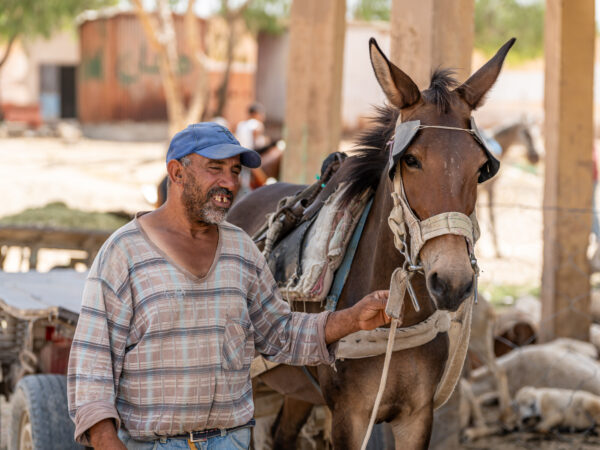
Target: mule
{"points": [[440, 169]]}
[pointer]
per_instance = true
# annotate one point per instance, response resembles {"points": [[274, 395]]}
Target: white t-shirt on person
{"points": [[246, 132]]}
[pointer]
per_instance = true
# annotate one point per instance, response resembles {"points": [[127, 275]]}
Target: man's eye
{"points": [[411, 161]]}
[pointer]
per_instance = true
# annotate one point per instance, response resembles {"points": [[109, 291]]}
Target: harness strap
{"points": [[342, 273]]}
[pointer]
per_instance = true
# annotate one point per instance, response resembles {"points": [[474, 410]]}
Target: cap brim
{"points": [[248, 158]]}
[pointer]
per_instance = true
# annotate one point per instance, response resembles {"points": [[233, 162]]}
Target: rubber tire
{"points": [[44, 399]]}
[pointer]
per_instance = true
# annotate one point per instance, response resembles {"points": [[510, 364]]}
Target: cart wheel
{"points": [[39, 415]]}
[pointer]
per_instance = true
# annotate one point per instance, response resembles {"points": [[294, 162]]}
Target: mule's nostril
{"points": [[467, 290], [437, 285]]}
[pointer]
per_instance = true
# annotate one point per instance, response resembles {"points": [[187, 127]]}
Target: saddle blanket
{"points": [[323, 248]]}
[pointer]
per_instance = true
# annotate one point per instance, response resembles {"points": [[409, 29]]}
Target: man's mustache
{"points": [[220, 191]]}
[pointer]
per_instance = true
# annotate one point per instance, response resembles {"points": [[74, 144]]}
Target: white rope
{"points": [[382, 383]]}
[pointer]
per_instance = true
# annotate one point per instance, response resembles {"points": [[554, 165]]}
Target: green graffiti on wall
{"points": [[184, 65], [130, 69], [93, 67]]}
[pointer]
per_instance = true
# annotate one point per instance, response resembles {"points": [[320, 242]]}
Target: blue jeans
{"points": [[234, 440]]}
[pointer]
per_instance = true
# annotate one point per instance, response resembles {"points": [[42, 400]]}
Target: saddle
{"points": [[305, 240], [282, 236]]}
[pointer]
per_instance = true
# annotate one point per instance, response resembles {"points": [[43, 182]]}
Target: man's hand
{"points": [[103, 436], [367, 314]]}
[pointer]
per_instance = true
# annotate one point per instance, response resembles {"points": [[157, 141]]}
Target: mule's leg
{"points": [[293, 415], [414, 431], [348, 429]]}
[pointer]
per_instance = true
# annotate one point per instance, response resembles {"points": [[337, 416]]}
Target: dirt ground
{"points": [[108, 176]]}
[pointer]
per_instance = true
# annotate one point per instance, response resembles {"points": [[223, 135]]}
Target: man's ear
{"points": [[175, 171]]}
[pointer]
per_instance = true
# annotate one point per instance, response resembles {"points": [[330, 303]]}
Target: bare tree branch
{"points": [[231, 17], [11, 41], [200, 93], [161, 35]]}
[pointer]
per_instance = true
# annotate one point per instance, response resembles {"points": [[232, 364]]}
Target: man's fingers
{"points": [[380, 296]]}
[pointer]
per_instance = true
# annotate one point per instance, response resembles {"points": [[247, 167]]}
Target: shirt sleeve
{"points": [[96, 358], [281, 335]]}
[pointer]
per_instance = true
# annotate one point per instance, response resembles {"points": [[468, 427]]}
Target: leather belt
{"points": [[201, 436]]}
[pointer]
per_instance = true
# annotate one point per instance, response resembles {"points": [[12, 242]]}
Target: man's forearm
{"points": [[367, 314], [339, 324], [103, 435]]}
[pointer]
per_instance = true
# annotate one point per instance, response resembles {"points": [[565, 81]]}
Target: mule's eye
{"points": [[411, 161]]}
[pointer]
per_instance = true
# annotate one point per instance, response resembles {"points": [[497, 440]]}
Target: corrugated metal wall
{"points": [[119, 78]]}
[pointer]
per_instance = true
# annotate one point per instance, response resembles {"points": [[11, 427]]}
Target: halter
{"points": [[402, 221]]}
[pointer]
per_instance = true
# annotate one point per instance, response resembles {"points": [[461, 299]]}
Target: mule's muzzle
{"points": [[449, 290]]}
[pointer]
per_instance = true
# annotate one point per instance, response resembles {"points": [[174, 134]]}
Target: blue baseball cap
{"points": [[211, 140]]}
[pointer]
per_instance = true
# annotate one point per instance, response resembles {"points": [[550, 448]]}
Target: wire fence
{"points": [[553, 387]]}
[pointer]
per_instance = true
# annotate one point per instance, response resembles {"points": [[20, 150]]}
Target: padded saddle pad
{"points": [[285, 261]]}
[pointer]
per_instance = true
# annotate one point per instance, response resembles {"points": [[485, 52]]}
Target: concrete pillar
{"points": [[569, 50], [314, 86], [432, 33]]}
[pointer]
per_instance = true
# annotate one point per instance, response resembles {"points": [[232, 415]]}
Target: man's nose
{"points": [[230, 181]]}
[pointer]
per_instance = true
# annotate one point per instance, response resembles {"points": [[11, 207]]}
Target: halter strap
{"points": [[402, 221], [468, 130]]}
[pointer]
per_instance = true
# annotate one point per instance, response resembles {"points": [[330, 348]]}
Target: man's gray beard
{"points": [[211, 214], [199, 209]]}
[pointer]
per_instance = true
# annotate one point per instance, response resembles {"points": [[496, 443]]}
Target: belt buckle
{"points": [[200, 439]]}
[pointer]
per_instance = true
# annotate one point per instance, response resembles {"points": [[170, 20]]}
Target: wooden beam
{"points": [[429, 34], [314, 86], [569, 50]]}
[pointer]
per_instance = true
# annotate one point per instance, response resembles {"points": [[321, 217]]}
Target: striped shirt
{"points": [[164, 352]]}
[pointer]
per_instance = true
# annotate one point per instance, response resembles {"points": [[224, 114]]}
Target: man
{"points": [[174, 307], [251, 134]]}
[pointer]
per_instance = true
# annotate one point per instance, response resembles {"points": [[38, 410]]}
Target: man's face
{"points": [[209, 186]]}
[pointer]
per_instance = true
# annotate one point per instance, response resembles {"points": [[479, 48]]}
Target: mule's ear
{"points": [[400, 90], [474, 89]]}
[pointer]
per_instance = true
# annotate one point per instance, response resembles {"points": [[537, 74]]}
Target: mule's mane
{"points": [[439, 90], [363, 170]]}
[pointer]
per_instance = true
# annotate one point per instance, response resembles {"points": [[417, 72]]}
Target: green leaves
{"points": [[41, 17], [497, 20]]}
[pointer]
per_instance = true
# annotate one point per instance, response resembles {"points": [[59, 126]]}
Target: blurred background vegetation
{"points": [[496, 21]]}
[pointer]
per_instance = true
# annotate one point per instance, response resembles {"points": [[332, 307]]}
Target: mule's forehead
{"points": [[406, 132]]}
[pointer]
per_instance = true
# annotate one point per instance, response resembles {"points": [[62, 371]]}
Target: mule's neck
{"points": [[376, 259]]}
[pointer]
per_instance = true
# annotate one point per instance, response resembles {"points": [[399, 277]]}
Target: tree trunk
{"points": [[11, 41], [200, 94], [232, 17], [166, 47], [222, 92]]}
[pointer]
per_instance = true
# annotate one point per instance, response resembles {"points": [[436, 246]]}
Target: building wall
{"points": [[119, 76], [20, 75], [360, 89]]}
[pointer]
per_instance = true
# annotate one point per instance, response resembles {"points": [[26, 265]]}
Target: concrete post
{"points": [[569, 50], [314, 86], [432, 33]]}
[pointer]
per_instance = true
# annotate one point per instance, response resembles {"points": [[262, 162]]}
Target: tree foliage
{"points": [[496, 21], [269, 16], [370, 10], [41, 17]]}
